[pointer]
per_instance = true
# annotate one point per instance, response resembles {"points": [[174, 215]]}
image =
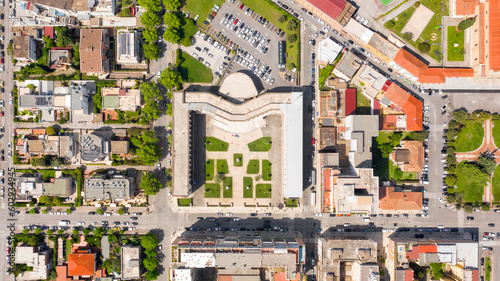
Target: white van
{"points": [[365, 219], [64, 222]]}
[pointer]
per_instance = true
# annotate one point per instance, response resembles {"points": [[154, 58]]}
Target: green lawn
{"points": [[324, 73], [262, 144], [363, 105], [215, 144], [432, 31], [386, 2], [470, 137], [68, 244], [192, 70], [212, 190], [495, 185], [455, 37], [405, 176], [201, 8], [263, 190], [237, 156], [487, 268], [266, 170], [184, 202], [247, 192], [222, 166], [227, 192], [270, 11], [253, 167], [291, 203], [473, 192], [496, 132], [209, 170]]}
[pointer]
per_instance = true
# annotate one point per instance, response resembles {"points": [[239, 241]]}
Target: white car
{"points": [[81, 223], [365, 220], [2, 173], [229, 214]]}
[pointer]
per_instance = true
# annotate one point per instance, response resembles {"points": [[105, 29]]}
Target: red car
{"points": [[214, 14], [242, 5], [1, 113], [314, 140], [235, 21], [1, 60]]}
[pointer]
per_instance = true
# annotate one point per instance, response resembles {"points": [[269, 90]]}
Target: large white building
{"points": [[127, 45]]}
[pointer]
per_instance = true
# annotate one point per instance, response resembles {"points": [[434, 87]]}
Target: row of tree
{"points": [[151, 20]]}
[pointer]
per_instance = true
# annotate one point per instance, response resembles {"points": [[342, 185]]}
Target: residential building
{"points": [[109, 186], [122, 99], [29, 186], [82, 264], [391, 200], [93, 148], [39, 261], [60, 58], [44, 13], [240, 258], [24, 48], [409, 156], [457, 251], [127, 49], [94, 48], [82, 93], [60, 186], [360, 130], [37, 146], [339, 10], [131, 262], [355, 194], [347, 258], [328, 50], [399, 101], [348, 66]]}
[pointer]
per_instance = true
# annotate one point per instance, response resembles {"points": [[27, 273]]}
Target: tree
{"points": [[481, 115], [33, 240], [151, 5], [390, 24], [121, 211], [150, 183], [148, 150], [292, 25], [292, 38], [150, 34], [150, 19], [186, 41], [451, 180], [451, 134], [398, 174], [473, 173], [152, 97], [419, 136], [463, 25], [468, 208], [99, 211], [107, 265], [64, 36], [485, 207], [50, 232], [69, 211], [32, 211], [36, 162], [152, 275], [460, 115], [76, 54], [172, 35], [453, 125], [149, 241], [150, 263], [424, 47], [51, 131], [282, 18], [86, 231], [151, 51], [408, 36], [168, 111], [60, 231], [171, 5], [171, 79], [385, 149], [98, 231], [489, 165], [45, 211], [26, 231], [173, 20], [76, 232]]}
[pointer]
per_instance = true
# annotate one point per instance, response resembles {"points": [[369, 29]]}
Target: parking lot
{"points": [[256, 44]]}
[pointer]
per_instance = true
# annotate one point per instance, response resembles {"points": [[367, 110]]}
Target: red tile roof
{"points": [[428, 248], [399, 201], [409, 275], [389, 122], [439, 74], [465, 7], [494, 29], [81, 264], [350, 101], [48, 31], [331, 8], [409, 62], [410, 105], [61, 273]]}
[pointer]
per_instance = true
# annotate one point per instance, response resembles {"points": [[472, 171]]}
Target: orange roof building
{"points": [[409, 157], [465, 7], [411, 63], [81, 264], [408, 104], [494, 36], [399, 201]]}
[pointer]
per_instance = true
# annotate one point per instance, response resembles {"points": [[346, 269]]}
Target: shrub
{"points": [[416, 5], [424, 47], [463, 25], [408, 36], [292, 25], [292, 38], [390, 24], [282, 18]]}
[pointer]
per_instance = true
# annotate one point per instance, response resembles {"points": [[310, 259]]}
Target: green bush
{"points": [[463, 25], [408, 36], [424, 47]]}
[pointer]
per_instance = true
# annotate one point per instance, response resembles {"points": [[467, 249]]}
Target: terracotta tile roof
{"points": [[409, 62], [465, 7], [427, 248], [410, 157], [350, 101], [400, 201], [48, 31], [410, 105], [92, 51], [81, 264], [331, 8], [494, 29], [389, 122], [61, 273], [439, 74], [409, 275]]}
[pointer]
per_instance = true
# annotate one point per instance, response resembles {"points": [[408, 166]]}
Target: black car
{"points": [[116, 223], [470, 218], [2, 158], [91, 213], [133, 218], [198, 49], [2, 28], [490, 224], [2, 180], [205, 22], [2, 53], [2, 16]]}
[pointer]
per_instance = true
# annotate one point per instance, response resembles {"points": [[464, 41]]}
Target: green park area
{"points": [[471, 181], [495, 185], [209, 170], [262, 144], [429, 40], [238, 160], [456, 51], [212, 190], [470, 136], [263, 190], [201, 8], [222, 167], [496, 132], [266, 170], [487, 268], [247, 187], [291, 203], [184, 202], [227, 185], [192, 70], [215, 144], [386, 2], [253, 167]]}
